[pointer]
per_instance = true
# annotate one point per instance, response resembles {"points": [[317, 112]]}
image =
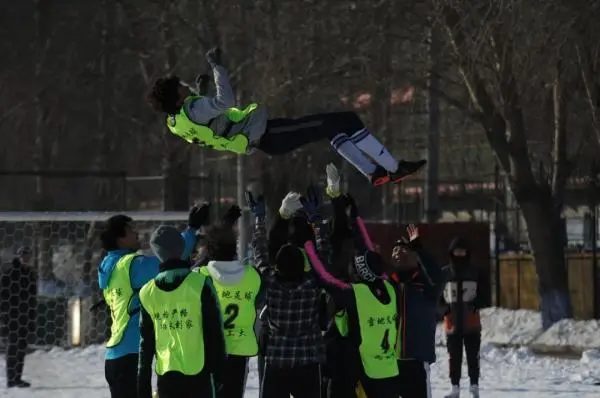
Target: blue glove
{"points": [[312, 203], [257, 207]]}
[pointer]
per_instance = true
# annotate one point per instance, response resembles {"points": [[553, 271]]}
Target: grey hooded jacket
{"points": [[210, 111]]}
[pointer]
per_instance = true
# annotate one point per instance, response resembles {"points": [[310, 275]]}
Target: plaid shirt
{"points": [[294, 334]]}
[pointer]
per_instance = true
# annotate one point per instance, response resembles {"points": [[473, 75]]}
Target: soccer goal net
{"points": [[65, 253]]}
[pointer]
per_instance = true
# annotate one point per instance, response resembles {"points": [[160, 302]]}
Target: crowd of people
{"points": [[317, 303]]}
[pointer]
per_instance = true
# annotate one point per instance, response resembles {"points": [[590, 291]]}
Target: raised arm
{"points": [[262, 261], [313, 204], [278, 235], [204, 109]]}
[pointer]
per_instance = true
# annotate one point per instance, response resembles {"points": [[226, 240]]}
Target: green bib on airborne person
{"points": [[238, 310], [118, 295], [378, 331], [182, 126], [177, 319]]}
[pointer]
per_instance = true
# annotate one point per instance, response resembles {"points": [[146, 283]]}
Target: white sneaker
{"points": [[474, 389], [454, 393]]}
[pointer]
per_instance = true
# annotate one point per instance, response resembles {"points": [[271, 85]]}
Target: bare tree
{"points": [[516, 66]]}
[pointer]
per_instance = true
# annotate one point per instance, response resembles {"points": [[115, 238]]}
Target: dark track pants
{"points": [[455, 343], [414, 379], [380, 388], [15, 354], [121, 375], [178, 385], [300, 382], [236, 373], [285, 135]]}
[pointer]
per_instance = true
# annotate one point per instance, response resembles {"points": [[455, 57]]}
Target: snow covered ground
{"points": [[506, 372], [570, 333], [506, 327]]}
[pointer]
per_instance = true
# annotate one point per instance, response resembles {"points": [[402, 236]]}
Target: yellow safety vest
{"points": [[378, 331], [238, 309], [177, 319], [182, 126], [118, 296]]}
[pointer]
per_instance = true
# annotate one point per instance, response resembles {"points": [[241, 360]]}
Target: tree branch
{"points": [[592, 88], [492, 121], [560, 171]]}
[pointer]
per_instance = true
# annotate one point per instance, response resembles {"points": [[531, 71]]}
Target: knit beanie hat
{"points": [[167, 243], [369, 266]]}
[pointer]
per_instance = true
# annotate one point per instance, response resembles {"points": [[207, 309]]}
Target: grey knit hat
{"points": [[167, 243]]}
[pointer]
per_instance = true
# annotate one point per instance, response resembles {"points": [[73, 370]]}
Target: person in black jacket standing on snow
{"points": [[18, 295], [462, 323]]}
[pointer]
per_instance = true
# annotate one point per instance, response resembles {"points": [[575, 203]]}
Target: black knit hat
{"points": [[290, 263], [369, 266]]}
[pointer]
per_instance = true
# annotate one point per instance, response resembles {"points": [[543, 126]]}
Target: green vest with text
{"points": [[118, 296], [238, 310], [177, 319], [378, 331], [182, 126]]}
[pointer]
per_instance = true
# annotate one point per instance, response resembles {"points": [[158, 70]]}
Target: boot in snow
{"points": [[474, 391], [454, 393]]}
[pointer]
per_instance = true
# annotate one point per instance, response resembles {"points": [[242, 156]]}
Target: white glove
{"points": [[333, 181], [290, 204]]}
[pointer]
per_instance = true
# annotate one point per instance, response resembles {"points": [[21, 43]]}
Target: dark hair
{"points": [[221, 242], [115, 228], [290, 263], [300, 231], [163, 95]]}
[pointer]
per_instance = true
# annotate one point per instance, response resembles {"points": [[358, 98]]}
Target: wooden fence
{"points": [[519, 289]]}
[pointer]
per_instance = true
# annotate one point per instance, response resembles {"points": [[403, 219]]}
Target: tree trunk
{"points": [[176, 155], [546, 233]]}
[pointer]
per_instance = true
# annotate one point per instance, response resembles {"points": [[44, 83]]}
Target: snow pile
{"points": [[510, 327], [505, 327], [590, 364], [571, 335]]}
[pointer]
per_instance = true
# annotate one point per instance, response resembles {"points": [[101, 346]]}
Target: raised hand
{"points": [[199, 215], [232, 214], [290, 204], [312, 203], [214, 57], [257, 206], [413, 232]]}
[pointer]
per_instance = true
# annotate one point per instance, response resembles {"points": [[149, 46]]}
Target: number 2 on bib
{"points": [[231, 311]]}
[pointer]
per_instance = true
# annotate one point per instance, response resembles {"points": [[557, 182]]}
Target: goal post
{"points": [[66, 252]]}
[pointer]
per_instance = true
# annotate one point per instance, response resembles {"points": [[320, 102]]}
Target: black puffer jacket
{"points": [[18, 298]]}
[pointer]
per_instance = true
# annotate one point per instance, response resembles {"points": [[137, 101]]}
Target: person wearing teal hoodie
{"points": [[121, 275]]}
